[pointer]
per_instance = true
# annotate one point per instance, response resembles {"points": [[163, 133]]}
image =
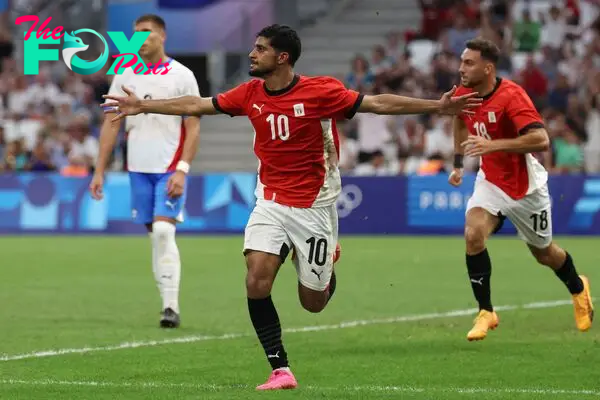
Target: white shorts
{"points": [[312, 232], [531, 215]]}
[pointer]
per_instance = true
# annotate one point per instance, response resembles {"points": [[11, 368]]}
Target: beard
{"points": [[261, 72], [471, 83]]}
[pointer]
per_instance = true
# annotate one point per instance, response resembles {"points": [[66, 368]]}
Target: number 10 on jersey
{"points": [[280, 126]]}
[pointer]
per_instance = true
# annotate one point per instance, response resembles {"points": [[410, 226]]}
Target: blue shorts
{"points": [[149, 198]]}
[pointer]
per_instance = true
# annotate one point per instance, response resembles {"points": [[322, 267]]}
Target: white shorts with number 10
{"points": [[531, 215], [312, 232]]}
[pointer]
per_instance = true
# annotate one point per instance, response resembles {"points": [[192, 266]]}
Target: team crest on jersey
{"points": [[492, 117], [299, 110], [134, 213]]}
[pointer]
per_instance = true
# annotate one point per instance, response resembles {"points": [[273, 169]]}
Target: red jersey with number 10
{"points": [[506, 113], [295, 136]]}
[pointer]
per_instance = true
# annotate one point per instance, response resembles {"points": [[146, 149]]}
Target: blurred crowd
{"points": [[551, 49], [50, 121]]}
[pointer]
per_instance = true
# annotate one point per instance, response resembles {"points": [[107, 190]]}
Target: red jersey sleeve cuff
{"points": [[352, 112], [528, 127], [217, 107]]}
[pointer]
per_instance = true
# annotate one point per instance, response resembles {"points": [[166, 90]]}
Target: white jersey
{"points": [[155, 141]]}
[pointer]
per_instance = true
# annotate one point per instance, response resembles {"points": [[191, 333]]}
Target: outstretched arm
{"points": [[132, 105], [389, 104], [185, 105]]}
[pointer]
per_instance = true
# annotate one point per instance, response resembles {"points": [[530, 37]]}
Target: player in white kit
{"points": [[160, 149]]}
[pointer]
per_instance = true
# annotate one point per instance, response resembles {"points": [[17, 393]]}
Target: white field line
{"points": [[359, 389], [315, 328]]}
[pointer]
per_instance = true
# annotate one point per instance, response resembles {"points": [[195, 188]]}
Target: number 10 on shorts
{"points": [[317, 252]]}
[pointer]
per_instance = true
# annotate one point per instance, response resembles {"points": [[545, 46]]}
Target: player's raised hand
{"points": [[464, 104], [176, 185], [476, 146], [123, 105], [455, 178], [96, 186]]}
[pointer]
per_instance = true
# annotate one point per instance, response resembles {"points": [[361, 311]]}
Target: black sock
{"points": [[479, 267], [266, 324], [568, 274], [332, 283]]}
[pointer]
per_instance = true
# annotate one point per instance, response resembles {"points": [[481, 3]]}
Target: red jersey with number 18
{"points": [[295, 136], [506, 113]]}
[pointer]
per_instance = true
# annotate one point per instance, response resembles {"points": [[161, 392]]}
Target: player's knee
{"points": [[258, 285], [546, 256], [163, 231], [475, 238], [314, 305], [262, 269], [544, 259], [311, 300]]}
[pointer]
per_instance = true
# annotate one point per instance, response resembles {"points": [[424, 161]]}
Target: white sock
{"points": [[154, 265], [168, 265]]}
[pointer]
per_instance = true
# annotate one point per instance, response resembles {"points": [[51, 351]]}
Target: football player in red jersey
{"points": [[296, 141], [511, 183]]}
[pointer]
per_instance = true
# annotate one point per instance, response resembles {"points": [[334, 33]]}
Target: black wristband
{"points": [[458, 161]]}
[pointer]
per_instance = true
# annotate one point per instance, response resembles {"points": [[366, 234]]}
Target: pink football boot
{"points": [[280, 379]]}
